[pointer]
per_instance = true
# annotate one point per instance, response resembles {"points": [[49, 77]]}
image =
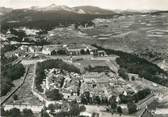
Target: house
{"points": [[48, 50], [24, 48], [69, 96], [21, 107], [124, 108], [86, 25], [75, 49], [133, 76], [92, 49], [85, 114], [35, 49], [101, 53]]}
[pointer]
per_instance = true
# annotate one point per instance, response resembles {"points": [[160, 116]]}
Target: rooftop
{"points": [[52, 47], [93, 75], [80, 46]]}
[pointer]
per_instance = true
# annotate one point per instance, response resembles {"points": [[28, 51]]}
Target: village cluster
{"points": [[97, 84]]}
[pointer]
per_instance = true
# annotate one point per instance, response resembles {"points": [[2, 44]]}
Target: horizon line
{"points": [[86, 5]]}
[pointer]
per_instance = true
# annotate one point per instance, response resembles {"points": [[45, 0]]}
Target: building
{"points": [[133, 76], [100, 22], [85, 114], [80, 49], [35, 49], [29, 31], [34, 108], [92, 75], [24, 48], [101, 53], [124, 108], [52, 49], [48, 50], [30, 38]]}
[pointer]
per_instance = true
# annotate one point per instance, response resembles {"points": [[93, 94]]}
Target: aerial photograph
{"points": [[84, 58]]}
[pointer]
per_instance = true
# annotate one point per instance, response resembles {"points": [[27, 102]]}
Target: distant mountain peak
{"points": [[92, 10], [80, 11], [52, 5]]}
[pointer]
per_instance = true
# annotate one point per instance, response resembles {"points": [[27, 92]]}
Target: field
{"points": [[132, 32], [69, 35], [143, 34]]}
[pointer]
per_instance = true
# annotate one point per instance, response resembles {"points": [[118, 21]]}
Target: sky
{"points": [[107, 4]]}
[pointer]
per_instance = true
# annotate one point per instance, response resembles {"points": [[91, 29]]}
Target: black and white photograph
{"points": [[84, 58]]}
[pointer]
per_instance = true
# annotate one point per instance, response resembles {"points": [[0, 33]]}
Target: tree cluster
{"points": [[83, 52], [97, 69], [20, 34], [68, 109], [53, 94], [59, 52], [123, 74], [74, 110], [135, 97], [132, 108], [8, 70], [8, 74], [17, 113], [48, 20], [129, 100], [95, 99]]}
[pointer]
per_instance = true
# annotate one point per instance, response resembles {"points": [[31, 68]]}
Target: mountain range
{"points": [[79, 9], [55, 15], [50, 16], [54, 8], [4, 10]]}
